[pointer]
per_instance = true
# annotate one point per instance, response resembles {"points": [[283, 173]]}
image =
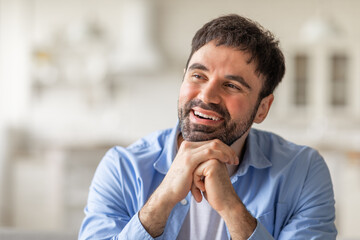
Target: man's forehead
{"points": [[212, 46], [227, 56]]}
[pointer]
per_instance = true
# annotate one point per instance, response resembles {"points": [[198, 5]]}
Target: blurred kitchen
{"points": [[80, 76]]}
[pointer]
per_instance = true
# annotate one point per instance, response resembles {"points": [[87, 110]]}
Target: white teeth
{"points": [[206, 116]]}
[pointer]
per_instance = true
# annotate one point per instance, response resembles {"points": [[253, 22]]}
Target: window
{"points": [[301, 79], [339, 77]]}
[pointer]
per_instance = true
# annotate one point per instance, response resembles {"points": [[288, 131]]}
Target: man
{"points": [[213, 176]]}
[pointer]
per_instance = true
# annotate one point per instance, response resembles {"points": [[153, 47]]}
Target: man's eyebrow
{"points": [[198, 66], [238, 79]]}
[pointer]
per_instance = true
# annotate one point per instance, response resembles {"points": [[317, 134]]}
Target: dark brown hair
{"points": [[245, 35]]}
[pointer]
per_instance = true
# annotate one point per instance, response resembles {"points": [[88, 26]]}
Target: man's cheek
{"points": [[188, 90]]}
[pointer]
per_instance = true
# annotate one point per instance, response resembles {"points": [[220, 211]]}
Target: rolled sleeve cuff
{"points": [[135, 230], [260, 233]]}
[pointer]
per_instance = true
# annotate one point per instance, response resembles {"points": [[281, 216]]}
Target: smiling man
{"points": [[213, 176]]}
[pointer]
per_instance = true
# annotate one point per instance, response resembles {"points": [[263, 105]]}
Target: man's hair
{"points": [[246, 35]]}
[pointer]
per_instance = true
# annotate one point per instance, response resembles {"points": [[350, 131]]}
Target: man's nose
{"points": [[210, 92]]}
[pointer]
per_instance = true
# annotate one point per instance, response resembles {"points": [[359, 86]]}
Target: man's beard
{"points": [[229, 130]]}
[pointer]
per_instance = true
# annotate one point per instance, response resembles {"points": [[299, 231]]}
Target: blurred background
{"points": [[80, 76]]}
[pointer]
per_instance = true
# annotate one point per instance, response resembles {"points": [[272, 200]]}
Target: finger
{"points": [[198, 181], [214, 144], [196, 193], [201, 172], [224, 152], [205, 195], [213, 149], [191, 145], [192, 154], [206, 153]]}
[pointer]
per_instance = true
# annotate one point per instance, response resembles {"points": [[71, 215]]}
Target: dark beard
{"points": [[228, 132]]}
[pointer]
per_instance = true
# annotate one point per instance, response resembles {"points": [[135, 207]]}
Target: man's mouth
{"points": [[205, 116]]}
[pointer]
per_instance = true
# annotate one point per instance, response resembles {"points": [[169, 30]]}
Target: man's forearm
{"points": [[240, 222], [154, 214]]}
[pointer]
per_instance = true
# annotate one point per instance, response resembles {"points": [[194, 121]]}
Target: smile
{"points": [[205, 116]]}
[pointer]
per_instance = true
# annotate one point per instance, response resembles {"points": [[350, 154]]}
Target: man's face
{"points": [[219, 95]]}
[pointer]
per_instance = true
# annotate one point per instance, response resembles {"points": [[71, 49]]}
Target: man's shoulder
{"points": [[148, 147], [138, 157], [275, 146], [153, 141]]}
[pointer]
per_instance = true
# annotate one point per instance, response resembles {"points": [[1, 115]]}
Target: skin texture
{"points": [[221, 84]]}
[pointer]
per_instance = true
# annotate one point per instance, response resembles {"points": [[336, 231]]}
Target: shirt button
{"points": [[183, 202]]}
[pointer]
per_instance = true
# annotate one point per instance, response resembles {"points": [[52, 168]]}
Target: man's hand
{"points": [[212, 178], [179, 179]]}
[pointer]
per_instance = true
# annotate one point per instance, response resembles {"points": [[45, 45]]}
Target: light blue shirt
{"points": [[286, 187]]}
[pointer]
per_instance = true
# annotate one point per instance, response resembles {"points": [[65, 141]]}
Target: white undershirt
{"points": [[202, 222]]}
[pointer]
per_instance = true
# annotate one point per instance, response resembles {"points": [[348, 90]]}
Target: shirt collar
{"points": [[169, 151], [253, 157]]}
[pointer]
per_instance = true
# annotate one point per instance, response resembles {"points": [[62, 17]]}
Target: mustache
{"points": [[207, 106]]}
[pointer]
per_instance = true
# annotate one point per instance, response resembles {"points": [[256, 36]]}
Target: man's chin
{"points": [[195, 136], [199, 133]]}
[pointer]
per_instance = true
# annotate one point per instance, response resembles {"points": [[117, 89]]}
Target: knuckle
{"points": [[185, 144], [214, 144], [215, 162], [212, 162], [208, 151], [223, 157]]}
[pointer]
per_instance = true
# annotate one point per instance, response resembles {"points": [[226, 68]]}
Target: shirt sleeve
{"points": [[260, 233], [110, 212], [314, 215]]}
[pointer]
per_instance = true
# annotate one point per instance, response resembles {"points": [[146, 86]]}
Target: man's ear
{"points": [[263, 108]]}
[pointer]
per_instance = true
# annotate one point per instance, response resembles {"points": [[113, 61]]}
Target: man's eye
{"points": [[197, 76], [233, 86]]}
